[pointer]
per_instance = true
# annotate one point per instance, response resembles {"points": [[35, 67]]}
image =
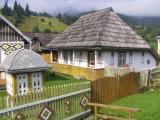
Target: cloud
{"points": [[129, 7]]}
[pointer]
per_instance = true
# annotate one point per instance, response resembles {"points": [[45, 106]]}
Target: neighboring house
{"points": [[102, 39], [39, 43], [11, 39]]}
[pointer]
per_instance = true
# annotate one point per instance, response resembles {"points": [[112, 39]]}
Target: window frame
{"points": [[122, 59]]}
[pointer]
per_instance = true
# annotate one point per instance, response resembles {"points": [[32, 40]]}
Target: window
{"points": [[148, 61], [65, 56], [130, 58], [71, 57], [91, 58], [54, 56], [112, 58], [142, 61], [80, 56], [99, 58], [121, 59], [36, 81]]}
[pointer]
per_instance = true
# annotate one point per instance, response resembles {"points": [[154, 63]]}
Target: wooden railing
{"points": [[130, 111], [87, 73]]}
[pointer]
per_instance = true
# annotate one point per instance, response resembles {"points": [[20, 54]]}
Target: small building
{"points": [[40, 42], [24, 72], [11, 39], [97, 40]]}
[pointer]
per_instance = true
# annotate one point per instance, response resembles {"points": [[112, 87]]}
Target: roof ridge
{"points": [[102, 10], [18, 51]]}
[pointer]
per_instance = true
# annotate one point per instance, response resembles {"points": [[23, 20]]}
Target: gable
{"points": [[9, 33]]}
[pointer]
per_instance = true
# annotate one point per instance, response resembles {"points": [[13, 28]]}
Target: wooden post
{"points": [[154, 84], [95, 112], [130, 114]]}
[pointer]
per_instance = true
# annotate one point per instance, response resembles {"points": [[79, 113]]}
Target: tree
{"points": [[27, 10], [16, 15], [50, 23], [59, 16], [47, 30], [6, 10], [35, 29]]}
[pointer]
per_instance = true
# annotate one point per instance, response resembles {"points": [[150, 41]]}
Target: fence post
{"points": [[95, 113]]}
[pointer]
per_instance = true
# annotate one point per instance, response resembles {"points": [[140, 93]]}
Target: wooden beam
{"points": [[106, 117], [127, 109]]}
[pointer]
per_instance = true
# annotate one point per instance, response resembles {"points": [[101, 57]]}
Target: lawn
{"points": [[148, 102], [52, 79]]}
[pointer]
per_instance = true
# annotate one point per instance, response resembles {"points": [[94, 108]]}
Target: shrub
{"points": [[47, 30], [42, 20], [35, 29]]}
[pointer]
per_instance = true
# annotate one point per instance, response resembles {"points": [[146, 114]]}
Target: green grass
{"points": [[52, 79], [148, 102], [29, 22]]}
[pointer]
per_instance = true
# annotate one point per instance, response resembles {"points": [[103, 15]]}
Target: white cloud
{"points": [[129, 7]]}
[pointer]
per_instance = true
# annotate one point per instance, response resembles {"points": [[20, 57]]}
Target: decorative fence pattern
{"points": [[107, 89], [61, 102]]}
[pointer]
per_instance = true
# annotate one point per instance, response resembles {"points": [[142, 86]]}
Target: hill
{"points": [[52, 23]]}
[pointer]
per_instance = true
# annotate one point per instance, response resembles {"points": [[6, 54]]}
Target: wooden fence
{"points": [[108, 89], [87, 73], [64, 101]]}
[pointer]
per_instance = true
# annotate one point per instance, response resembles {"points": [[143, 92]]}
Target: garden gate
{"points": [[60, 102]]}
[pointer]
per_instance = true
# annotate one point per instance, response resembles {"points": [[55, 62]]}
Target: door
{"points": [[22, 84], [36, 81], [91, 58]]}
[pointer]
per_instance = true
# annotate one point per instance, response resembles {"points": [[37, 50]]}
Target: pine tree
{"points": [[59, 16], [27, 10], [6, 10], [16, 15]]}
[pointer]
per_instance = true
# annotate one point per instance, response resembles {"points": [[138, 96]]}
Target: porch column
{"points": [[61, 56], [96, 59], [73, 56]]}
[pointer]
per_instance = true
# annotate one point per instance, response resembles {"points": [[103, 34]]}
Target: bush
{"points": [[42, 20], [47, 30], [35, 29], [50, 23]]}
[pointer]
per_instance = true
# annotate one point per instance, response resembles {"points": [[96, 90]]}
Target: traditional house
{"points": [[39, 43], [97, 40], [24, 70], [11, 39]]}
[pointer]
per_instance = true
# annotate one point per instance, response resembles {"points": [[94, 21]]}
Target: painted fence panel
{"points": [[61, 102]]}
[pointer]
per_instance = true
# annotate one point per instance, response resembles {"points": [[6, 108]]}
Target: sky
{"points": [[127, 7]]}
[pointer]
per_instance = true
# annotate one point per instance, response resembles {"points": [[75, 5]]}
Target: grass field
{"points": [[148, 102], [29, 22], [51, 79]]}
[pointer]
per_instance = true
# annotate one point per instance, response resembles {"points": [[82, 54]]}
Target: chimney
{"points": [[158, 41]]}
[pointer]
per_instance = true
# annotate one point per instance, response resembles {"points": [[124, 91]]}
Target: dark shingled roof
{"points": [[24, 60], [43, 38], [103, 28]]}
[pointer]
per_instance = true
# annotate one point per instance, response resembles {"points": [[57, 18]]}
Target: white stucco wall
{"points": [[107, 60], [136, 60]]}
